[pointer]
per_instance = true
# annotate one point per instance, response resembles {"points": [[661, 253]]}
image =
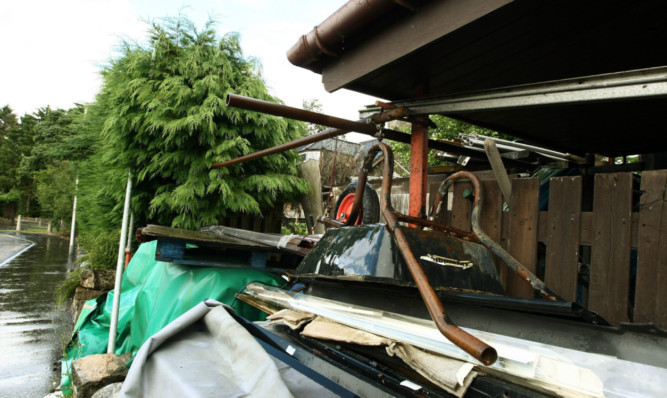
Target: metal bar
{"points": [[643, 83], [341, 126], [73, 226], [468, 343], [418, 168], [451, 148], [271, 108], [512, 145], [111, 346], [326, 134], [437, 226]]}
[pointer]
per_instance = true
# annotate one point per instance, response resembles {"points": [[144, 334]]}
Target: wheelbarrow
{"points": [[424, 253]]}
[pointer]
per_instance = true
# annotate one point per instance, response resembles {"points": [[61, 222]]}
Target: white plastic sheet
{"points": [[206, 353]]}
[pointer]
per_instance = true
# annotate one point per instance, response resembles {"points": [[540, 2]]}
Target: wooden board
{"points": [[491, 218], [461, 207], [586, 231], [563, 228], [610, 252], [522, 242], [650, 296]]}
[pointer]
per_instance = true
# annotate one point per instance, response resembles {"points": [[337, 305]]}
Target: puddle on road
{"points": [[32, 330]]}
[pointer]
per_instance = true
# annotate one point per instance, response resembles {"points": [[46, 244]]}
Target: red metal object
{"points": [[345, 208], [128, 257], [418, 169]]}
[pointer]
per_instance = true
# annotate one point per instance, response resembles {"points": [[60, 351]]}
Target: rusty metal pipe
{"points": [[437, 226], [326, 134], [365, 126], [468, 343], [536, 283], [271, 108]]}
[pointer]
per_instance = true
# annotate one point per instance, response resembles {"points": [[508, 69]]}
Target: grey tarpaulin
{"points": [[206, 353]]}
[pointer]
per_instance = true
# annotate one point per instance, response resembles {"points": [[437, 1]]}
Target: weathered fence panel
{"points": [[563, 226], [523, 232], [610, 253], [610, 229], [651, 286]]}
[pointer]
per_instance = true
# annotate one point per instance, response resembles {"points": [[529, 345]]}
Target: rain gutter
{"points": [[327, 38]]}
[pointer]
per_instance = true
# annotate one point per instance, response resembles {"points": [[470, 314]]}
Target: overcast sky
{"points": [[52, 50]]}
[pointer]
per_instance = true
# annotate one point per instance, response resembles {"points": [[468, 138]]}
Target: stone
{"points": [[94, 372], [110, 391], [98, 279], [81, 295]]}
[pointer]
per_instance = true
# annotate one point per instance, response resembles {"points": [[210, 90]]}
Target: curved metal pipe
{"points": [[536, 283], [468, 343]]}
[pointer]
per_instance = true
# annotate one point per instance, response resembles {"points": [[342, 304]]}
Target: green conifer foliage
{"points": [[166, 120]]}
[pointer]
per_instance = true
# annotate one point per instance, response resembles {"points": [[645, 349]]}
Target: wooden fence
{"points": [[611, 259], [269, 221]]}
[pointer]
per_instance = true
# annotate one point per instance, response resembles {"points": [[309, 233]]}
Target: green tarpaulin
{"points": [[154, 293]]}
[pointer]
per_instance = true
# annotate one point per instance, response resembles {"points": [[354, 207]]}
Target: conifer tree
{"points": [[166, 120]]}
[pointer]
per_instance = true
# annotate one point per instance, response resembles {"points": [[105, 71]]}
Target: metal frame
{"points": [[636, 84]]}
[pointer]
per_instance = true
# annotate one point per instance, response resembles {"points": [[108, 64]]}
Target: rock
{"points": [[98, 279], [84, 294], [93, 372], [110, 391], [81, 295]]}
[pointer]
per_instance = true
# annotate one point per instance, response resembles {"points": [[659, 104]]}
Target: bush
{"points": [[101, 253]]}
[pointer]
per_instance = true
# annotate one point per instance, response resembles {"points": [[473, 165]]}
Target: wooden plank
{"points": [[492, 210], [522, 242], [461, 207], [491, 219], [586, 229], [610, 252], [564, 224], [650, 294]]}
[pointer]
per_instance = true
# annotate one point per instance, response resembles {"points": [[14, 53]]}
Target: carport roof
{"points": [[462, 48]]}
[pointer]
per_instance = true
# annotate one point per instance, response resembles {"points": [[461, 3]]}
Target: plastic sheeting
{"points": [[153, 294], [206, 353]]}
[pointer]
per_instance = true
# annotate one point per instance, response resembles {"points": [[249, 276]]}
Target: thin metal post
{"points": [[119, 268], [418, 169], [71, 234]]}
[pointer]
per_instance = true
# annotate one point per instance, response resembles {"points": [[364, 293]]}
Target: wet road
{"points": [[32, 329]]}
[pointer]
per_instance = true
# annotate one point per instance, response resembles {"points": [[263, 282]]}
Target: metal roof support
{"points": [[639, 84], [418, 168]]}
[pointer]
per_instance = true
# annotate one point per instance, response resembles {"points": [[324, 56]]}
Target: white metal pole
{"points": [[111, 347], [18, 224], [71, 234]]}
